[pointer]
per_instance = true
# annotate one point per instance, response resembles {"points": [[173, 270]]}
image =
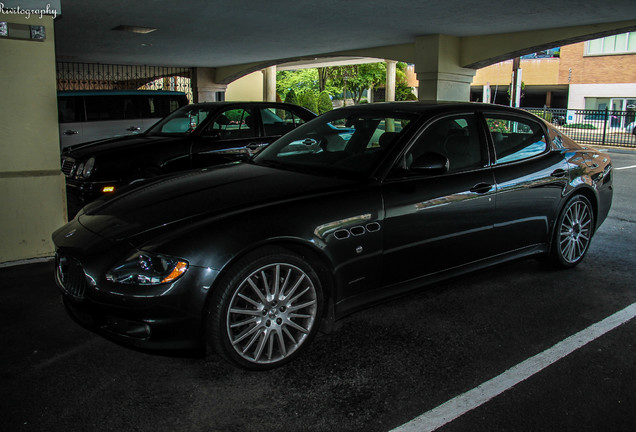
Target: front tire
{"points": [[266, 309], [573, 232]]}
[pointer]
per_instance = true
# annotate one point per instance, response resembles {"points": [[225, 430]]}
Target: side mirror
{"points": [[430, 163]]}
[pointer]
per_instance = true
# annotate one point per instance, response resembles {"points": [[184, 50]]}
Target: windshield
{"points": [[183, 121], [342, 144]]}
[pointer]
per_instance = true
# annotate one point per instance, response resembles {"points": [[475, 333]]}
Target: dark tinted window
{"points": [[456, 138], [235, 123], [70, 109], [158, 106], [514, 138], [111, 107], [278, 121]]}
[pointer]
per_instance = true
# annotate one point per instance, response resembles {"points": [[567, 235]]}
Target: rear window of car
{"points": [[515, 138]]}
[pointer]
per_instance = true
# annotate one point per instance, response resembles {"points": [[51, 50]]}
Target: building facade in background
{"points": [[593, 75]]}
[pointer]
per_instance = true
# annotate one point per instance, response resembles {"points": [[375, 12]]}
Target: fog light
{"points": [[108, 189]]}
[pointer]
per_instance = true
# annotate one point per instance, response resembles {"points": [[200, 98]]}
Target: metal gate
{"points": [[96, 76], [601, 127]]}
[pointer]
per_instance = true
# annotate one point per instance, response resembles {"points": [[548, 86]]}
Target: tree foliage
{"points": [[338, 81], [291, 97], [308, 100], [324, 102], [355, 79]]}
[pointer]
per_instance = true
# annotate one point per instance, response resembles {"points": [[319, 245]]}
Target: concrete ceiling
{"points": [[215, 33]]}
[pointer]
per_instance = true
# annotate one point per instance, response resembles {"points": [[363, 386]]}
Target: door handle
{"points": [[481, 188], [133, 128], [71, 132], [254, 146], [559, 173]]}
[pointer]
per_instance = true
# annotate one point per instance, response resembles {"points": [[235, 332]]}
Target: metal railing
{"points": [[95, 76], [599, 127]]}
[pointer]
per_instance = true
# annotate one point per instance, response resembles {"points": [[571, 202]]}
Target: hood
{"points": [[194, 195], [94, 148]]}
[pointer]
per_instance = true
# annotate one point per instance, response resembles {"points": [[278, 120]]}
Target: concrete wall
{"points": [[535, 72], [578, 93], [247, 88], [33, 198]]}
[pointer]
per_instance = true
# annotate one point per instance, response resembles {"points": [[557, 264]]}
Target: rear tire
{"points": [[573, 232], [266, 310]]}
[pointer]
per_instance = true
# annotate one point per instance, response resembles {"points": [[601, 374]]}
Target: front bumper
{"points": [[164, 316]]}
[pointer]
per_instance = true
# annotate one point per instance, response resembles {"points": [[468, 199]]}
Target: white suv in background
{"points": [[90, 115]]}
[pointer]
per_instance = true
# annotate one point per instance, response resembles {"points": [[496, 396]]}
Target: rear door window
{"points": [[514, 138], [235, 123], [277, 121]]}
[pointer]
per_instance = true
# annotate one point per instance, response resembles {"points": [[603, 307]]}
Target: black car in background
{"points": [[194, 136], [360, 204]]}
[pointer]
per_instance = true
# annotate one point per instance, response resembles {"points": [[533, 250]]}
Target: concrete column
{"points": [[440, 76], [270, 84], [204, 88], [33, 187], [391, 66]]}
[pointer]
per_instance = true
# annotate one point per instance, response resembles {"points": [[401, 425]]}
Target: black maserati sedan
{"points": [[194, 136], [360, 204]]}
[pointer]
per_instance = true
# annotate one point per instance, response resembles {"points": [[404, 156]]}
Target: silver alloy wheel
{"points": [[271, 313], [575, 231]]}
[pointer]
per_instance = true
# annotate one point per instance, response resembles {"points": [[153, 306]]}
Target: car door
{"points": [[530, 181], [231, 135], [438, 219], [111, 115]]}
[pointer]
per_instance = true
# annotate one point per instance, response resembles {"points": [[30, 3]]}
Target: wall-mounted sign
{"points": [[38, 32], [22, 31]]}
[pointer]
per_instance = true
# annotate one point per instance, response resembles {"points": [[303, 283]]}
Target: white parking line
{"points": [[472, 399], [627, 167]]}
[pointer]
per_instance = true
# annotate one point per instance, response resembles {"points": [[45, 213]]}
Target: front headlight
{"points": [[143, 268], [88, 167]]}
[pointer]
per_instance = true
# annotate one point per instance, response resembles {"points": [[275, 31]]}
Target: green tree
{"points": [[355, 79], [402, 90], [291, 97], [324, 102], [297, 80], [308, 100]]}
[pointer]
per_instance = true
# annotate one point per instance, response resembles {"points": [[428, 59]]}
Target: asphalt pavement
{"points": [[379, 369]]}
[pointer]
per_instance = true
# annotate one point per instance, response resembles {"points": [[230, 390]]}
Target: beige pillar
{"points": [[440, 76], [204, 88], [391, 66], [33, 188], [270, 84]]}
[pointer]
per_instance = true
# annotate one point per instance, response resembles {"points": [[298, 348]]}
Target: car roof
{"points": [[242, 103], [431, 107]]}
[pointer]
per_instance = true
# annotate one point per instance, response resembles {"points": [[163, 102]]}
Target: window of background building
{"points": [[616, 44]]}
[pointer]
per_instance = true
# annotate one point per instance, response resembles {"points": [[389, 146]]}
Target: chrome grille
{"points": [[70, 276], [68, 165]]}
